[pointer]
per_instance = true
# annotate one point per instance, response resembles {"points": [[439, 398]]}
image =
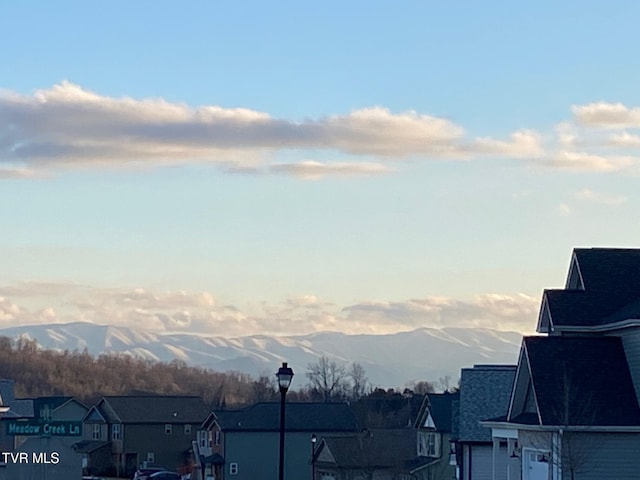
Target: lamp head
{"points": [[284, 374]]}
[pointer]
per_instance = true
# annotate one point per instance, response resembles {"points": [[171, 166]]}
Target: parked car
{"points": [[145, 473], [165, 476]]}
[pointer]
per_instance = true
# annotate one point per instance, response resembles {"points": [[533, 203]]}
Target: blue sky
{"points": [[241, 167]]}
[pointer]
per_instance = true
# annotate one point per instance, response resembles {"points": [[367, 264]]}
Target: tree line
{"points": [[38, 372]]}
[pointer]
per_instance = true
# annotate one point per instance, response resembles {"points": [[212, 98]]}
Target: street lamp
{"points": [[284, 374], [314, 439]]}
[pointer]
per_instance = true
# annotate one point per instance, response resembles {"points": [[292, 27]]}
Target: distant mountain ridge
{"points": [[390, 360]]}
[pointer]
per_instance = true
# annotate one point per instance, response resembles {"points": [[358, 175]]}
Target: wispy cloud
{"points": [[596, 197], [202, 312], [590, 162], [503, 312], [312, 170]]}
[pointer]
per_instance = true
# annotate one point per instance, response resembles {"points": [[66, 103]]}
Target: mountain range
{"points": [[390, 361]]}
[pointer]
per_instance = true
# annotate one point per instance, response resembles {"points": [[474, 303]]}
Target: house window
{"points": [[432, 447], [202, 438], [95, 434], [151, 457], [233, 468], [217, 438], [187, 429], [428, 444], [116, 431], [168, 429]]}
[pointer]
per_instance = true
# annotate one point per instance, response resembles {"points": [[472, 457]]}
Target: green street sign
{"points": [[51, 428]]}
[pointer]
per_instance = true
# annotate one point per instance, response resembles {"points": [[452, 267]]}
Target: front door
{"points": [[535, 465], [131, 463]]}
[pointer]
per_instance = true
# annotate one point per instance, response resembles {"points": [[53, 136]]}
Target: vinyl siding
{"points": [[631, 343], [481, 462], [607, 455]]}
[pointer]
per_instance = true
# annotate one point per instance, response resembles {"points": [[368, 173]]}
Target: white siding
{"points": [[481, 462]]}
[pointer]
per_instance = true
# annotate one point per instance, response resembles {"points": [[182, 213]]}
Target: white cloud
{"points": [[72, 126], [607, 115], [563, 210], [624, 139], [589, 195], [523, 144], [67, 126], [312, 170], [501, 312], [201, 312], [583, 161]]}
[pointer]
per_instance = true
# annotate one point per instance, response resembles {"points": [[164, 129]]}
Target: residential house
{"points": [[434, 427], [573, 411], [244, 444], [484, 393], [387, 409], [209, 449], [143, 429], [43, 429], [376, 454], [13, 409]]}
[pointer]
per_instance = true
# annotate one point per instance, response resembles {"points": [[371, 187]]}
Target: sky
{"points": [[236, 168]]}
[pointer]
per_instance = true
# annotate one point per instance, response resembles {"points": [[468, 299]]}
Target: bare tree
{"points": [[421, 387], [328, 378], [359, 381]]}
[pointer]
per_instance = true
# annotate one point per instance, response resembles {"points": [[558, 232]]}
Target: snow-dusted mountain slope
{"points": [[389, 360]]}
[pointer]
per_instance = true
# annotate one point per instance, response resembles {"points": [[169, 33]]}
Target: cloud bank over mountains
{"points": [[68, 126], [203, 313]]}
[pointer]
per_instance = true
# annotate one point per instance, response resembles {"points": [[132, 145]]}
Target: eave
{"points": [[565, 428], [629, 323]]}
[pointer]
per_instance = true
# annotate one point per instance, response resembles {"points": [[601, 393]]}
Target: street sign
{"points": [[45, 428]]}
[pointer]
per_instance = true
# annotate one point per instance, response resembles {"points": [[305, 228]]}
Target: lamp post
{"points": [[314, 439], [284, 374]]}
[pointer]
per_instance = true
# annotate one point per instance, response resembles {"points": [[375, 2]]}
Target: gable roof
{"points": [[580, 381], [603, 287], [17, 407], [303, 417], [154, 409], [484, 393], [439, 406], [94, 415], [375, 448], [54, 403]]}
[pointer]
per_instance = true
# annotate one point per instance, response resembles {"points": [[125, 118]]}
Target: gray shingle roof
{"points": [[18, 408], [305, 417], [485, 391], [158, 409], [440, 406], [441, 410], [379, 448], [582, 381], [611, 280]]}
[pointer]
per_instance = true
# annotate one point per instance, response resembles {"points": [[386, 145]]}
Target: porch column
{"points": [[511, 445], [494, 460]]}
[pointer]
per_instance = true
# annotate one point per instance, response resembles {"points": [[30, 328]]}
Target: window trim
{"points": [[116, 431]]}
